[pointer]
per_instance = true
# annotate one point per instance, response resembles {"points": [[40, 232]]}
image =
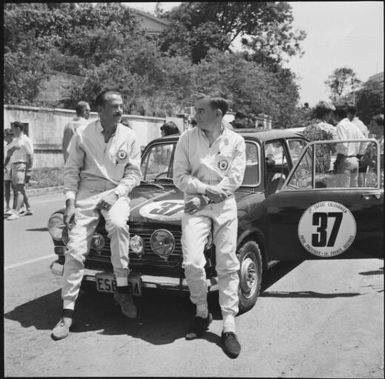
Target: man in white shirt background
{"points": [[346, 164], [82, 114], [209, 166], [20, 156], [102, 168], [8, 137]]}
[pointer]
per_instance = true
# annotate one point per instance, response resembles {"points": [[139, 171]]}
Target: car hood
{"points": [[155, 205]]}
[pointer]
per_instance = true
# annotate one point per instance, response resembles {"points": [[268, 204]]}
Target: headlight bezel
{"points": [[156, 245]]}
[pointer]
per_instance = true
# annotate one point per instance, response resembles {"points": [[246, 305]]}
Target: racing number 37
{"points": [[321, 220]]}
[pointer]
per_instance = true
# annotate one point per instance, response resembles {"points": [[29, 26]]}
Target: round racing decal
{"points": [[223, 164], [166, 210], [327, 229]]}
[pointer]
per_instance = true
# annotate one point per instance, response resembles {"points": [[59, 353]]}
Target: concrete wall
{"points": [[46, 128]]}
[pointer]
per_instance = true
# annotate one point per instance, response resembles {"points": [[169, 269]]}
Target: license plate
{"points": [[107, 283]]}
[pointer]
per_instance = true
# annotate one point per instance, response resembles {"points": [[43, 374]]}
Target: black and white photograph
{"points": [[193, 189]]}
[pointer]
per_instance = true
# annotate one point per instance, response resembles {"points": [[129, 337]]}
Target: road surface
{"points": [[314, 319]]}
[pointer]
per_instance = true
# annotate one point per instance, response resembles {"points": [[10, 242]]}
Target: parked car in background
{"points": [[284, 214]]}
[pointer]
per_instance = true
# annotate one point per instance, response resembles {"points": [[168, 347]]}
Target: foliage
{"points": [[342, 82], [370, 100], [265, 27]]}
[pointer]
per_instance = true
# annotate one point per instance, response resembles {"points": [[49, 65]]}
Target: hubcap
{"points": [[248, 277]]}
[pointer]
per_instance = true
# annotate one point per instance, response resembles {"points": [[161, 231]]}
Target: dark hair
{"points": [[352, 109], [193, 122], [169, 128], [321, 109], [18, 124], [215, 102], [102, 96], [341, 111], [379, 119], [8, 132], [81, 106], [240, 115]]}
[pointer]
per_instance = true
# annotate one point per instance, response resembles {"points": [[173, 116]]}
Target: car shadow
{"points": [[37, 230], [309, 294], [277, 272], [380, 271], [162, 318]]}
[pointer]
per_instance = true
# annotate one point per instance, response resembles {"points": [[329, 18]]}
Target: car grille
{"points": [[149, 258]]}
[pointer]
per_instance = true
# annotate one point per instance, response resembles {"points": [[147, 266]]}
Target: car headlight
{"points": [[162, 243], [55, 226], [98, 242], [137, 245]]}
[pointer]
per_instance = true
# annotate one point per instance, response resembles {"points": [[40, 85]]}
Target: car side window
{"points": [[295, 148], [252, 172], [276, 164], [334, 170]]}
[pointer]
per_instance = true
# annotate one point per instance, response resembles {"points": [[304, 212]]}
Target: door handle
{"points": [[369, 195]]}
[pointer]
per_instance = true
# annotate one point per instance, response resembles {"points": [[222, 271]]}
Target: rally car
{"points": [[287, 210]]}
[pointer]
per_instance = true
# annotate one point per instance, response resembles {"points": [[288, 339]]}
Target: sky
{"points": [[339, 34]]}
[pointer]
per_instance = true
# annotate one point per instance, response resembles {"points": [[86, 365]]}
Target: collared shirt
{"points": [[24, 148], [363, 128], [94, 163], [197, 165], [69, 131], [347, 130]]}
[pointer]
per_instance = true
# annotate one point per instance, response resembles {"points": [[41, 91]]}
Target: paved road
{"points": [[315, 319]]}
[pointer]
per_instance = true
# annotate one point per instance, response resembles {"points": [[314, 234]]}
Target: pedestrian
{"points": [[168, 129], [8, 137], [82, 114], [20, 156], [102, 168], [319, 128], [240, 120], [346, 163], [352, 116], [209, 166]]}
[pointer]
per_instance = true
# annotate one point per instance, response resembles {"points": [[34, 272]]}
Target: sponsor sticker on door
{"points": [[327, 229]]}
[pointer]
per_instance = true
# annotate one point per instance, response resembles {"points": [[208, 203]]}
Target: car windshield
{"points": [[157, 163]]}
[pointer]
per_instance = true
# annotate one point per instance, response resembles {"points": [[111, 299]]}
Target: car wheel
{"points": [[250, 275]]}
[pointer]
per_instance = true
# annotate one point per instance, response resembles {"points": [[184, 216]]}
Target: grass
{"points": [[46, 177]]}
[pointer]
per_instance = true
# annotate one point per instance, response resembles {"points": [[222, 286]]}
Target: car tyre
{"points": [[250, 275]]}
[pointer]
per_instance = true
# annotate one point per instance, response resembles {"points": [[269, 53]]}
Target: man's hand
{"points": [[107, 201], [69, 214], [194, 205], [216, 194]]}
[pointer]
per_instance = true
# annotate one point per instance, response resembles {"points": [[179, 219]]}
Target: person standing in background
{"points": [[82, 114], [20, 156], [8, 137]]}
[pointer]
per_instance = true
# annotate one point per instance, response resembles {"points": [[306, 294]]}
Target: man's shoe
{"points": [[230, 344], [199, 326], [28, 212], [62, 329], [8, 212], [126, 304]]}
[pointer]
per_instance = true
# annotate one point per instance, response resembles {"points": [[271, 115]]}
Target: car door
{"points": [[312, 217]]}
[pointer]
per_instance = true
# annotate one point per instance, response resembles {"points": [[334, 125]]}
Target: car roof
{"points": [[260, 134]]}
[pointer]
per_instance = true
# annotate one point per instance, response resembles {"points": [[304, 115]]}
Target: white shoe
{"points": [[14, 215]]}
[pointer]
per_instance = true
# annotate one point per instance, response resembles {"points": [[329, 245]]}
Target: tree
{"points": [[342, 82], [370, 100], [266, 28]]}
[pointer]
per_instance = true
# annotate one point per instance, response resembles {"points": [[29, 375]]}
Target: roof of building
{"points": [[377, 77], [151, 17]]}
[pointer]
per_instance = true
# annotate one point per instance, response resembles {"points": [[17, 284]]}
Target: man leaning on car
{"points": [[102, 168], [209, 166]]}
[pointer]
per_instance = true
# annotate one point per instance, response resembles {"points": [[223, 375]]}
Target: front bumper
{"points": [[148, 281]]}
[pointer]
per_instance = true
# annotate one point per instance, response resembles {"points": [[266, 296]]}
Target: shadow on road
{"points": [[162, 318], [380, 271], [37, 230], [277, 272], [309, 294]]}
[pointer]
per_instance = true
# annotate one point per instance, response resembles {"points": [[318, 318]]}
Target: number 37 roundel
{"points": [[327, 229]]}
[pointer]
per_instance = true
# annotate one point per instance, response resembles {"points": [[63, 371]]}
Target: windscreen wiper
{"points": [[147, 183]]}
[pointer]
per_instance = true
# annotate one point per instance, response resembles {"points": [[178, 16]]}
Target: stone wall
{"points": [[46, 128]]}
